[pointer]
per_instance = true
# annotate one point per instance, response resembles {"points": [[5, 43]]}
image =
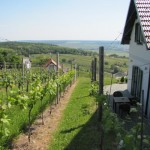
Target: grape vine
{"points": [[37, 85]]}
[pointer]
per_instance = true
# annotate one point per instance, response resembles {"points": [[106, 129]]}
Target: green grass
{"points": [[19, 120], [107, 79], [85, 61], [78, 127]]}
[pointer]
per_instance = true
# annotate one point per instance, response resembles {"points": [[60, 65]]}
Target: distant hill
{"points": [[85, 44], [36, 47]]}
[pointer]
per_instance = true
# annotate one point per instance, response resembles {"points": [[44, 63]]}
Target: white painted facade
{"points": [[139, 56], [26, 62]]}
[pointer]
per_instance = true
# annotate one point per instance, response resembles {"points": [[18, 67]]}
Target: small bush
{"points": [[122, 79], [93, 89], [63, 60], [126, 80]]}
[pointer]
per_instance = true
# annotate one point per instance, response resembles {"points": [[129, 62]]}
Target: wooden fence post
{"points": [[94, 67], [5, 65], [71, 64], [78, 69], [110, 87], [75, 76], [92, 70], [22, 73], [62, 68], [101, 83], [101, 79], [57, 73], [101, 70]]}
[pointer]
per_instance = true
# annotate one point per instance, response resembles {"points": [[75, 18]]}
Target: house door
{"points": [[136, 84]]}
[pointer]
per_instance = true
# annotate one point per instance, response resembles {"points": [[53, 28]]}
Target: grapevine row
{"points": [[25, 91]]}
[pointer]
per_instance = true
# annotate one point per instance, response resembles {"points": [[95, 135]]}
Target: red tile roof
{"points": [[143, 8], [51, 61]]}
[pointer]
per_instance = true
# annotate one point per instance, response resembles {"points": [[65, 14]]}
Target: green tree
{"points": [[63, 60]]}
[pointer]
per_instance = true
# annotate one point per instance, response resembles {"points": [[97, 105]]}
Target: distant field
{"points": [[109, 52], [120, 53], [85, 61], [111, 47]]}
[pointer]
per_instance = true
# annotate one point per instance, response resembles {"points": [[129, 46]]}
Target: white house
{"points": [[137, 35], [27, 62]]}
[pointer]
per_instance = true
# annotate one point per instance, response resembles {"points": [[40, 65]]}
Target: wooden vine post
{"points": [[78, 69], [101, 74], [92, 71], [71, 64], [110, 86], [75, 75], [101, 83], [62, 66], [22, 73], [94, 68], [57, 73], [5, 66]]}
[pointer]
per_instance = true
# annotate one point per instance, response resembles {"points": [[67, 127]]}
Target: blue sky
{"points": [[62, 19]]}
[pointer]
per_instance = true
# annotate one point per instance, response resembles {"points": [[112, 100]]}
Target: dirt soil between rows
{"points": [[42, 135]]}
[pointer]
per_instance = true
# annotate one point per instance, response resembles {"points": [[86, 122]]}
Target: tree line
{"points": [[12, 51]]}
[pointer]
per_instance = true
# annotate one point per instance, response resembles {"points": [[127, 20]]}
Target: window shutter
{"points": [[136, 32]]}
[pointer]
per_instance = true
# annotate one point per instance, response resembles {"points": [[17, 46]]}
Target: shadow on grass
{"points": [[71, 129], [88, 137]]}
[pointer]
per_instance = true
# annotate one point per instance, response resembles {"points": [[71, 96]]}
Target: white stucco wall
{"points": [[139, 56], [148, 115]]}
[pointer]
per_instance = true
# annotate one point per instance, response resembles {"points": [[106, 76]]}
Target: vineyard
{"points": [[39, 104], [24, 96]]}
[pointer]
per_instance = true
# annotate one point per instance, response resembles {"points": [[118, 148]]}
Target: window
{"points": [[138, 34], [136, 85]]}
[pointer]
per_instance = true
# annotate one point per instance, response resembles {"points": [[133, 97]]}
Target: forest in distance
{"points": [[13, 51]]}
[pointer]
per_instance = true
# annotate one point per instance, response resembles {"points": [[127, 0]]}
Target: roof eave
{"points": [[131, 17]]}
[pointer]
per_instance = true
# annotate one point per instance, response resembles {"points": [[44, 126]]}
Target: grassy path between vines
{"points": [[77, 129], [42, 134]]}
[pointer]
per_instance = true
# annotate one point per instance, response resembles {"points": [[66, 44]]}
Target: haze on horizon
{"points": [[62, 19]]}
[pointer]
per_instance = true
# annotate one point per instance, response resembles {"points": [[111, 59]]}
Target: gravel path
{"points": [[42, 134], [110, 89], [114, 87]]}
